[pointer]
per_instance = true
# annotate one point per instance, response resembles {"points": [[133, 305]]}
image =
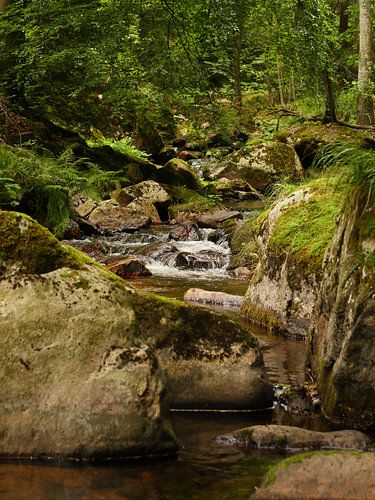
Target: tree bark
{"points": [[237, 73], [365, 109], [3, 4], [330, 113]]}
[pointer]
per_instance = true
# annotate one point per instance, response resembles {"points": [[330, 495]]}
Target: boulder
{"points": [[283, 437], [328, 475], [110, 218], [243, 273], [83, 206], [189, 155], [147, 191], [214, 219], [77, 380], [72, 231], [177, 172], [130, 267], [291, 238], [210, 361], [342, 339], [236, 190], [261, 166], [215, 298], [186, 231]]}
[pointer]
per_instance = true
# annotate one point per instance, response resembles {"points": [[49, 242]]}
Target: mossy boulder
{"points": [[317, 475], [292, 237], [342, 337], [77, 380], [178, 173], [260, 166], [309, 139], [210, 361]]}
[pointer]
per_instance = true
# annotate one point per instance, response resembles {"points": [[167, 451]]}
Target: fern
{"points": [[46, 185]]}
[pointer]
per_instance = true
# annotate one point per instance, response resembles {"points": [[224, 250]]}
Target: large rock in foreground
{"points": [[283, 437], [77, 381], [324, 475], [78, 376], [342, 340]]}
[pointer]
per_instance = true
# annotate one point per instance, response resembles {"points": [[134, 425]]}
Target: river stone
{"points": [[147, 191], [342, 339], [283, 437], [321, 475], [110, 218], [214, 219], [77, 380], [216, 298], [131, 267], [210, 361], [260, 166], [178, 172]]}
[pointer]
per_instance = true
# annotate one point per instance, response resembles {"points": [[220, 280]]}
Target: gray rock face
{"points": [[341, 475], [342, 340], [282, 437]]}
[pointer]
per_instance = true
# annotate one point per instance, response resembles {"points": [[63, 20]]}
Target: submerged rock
{"points": [[77, 380], [328, 475], [282, 437], [217, 298]]}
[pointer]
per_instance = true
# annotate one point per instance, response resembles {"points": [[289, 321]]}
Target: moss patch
{"points": [[304, 231], [261, 316]]}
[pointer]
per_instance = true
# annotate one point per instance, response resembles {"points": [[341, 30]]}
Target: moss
{"points": [[32, 247], [161, 319], [296, 459], [260, 316], [304, 231]]}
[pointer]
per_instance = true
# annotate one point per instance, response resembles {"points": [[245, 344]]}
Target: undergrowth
{"points": [[44, 185]]}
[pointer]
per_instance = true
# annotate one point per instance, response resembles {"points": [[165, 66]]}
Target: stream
{"points": [[205, 469]]}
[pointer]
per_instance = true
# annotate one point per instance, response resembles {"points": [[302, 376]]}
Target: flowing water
{"points": [[204, 469]]}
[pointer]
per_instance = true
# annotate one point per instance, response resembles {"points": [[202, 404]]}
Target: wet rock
{"points": [[210, 362], [87, 228], [130, 267], [72, 231], [342, 341], [206, 259], [321, 475], [186, 231], [283, 437], [213, 220], [166, 154], [177, 172], [209, 297], [110, 218], [77, 381], [261, 166], [189, 155]]}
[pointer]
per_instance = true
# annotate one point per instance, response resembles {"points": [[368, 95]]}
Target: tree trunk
{"points": [[330, 113], [280, 76], [3, 4], [365, 109], [237, 73]]}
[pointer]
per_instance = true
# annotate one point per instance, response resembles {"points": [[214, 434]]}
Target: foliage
{"points": [[44, 185], [123, 146]]}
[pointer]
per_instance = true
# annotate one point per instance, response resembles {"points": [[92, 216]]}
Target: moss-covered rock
{"points": [[342, 338], [261, 166], [210, 362], [317, 475], [178, 172], [292, 237]]}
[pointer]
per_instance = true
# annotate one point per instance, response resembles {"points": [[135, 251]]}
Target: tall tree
{"points": [[365, 111]]}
